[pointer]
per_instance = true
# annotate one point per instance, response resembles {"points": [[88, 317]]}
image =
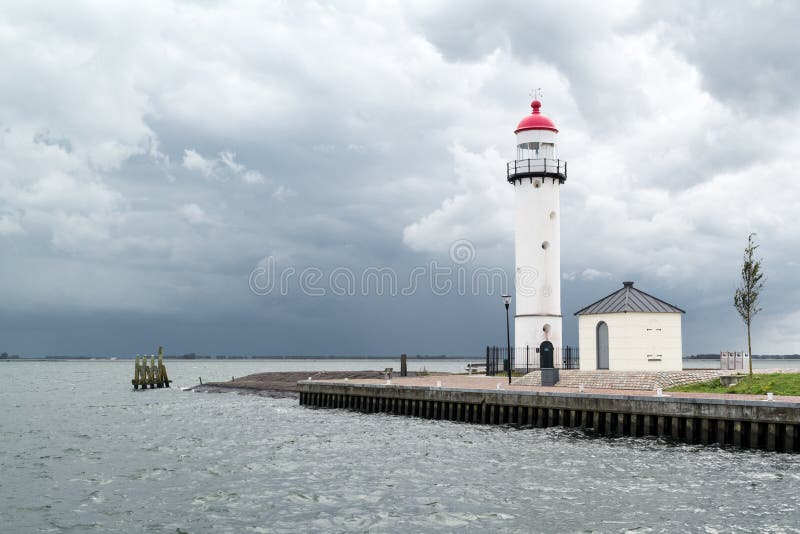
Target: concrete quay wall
{"points": [[755, 424]]}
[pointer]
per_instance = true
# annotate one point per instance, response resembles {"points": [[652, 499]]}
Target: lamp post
{"points": [[507, 301]]}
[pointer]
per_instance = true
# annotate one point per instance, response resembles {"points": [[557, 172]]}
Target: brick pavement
{"points": [[493, 382], [623, 379]]}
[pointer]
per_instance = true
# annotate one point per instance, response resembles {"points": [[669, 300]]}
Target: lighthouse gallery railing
{"points": [[524, 168]]}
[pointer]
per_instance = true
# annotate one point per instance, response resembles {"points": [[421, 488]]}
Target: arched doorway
{"points": [[546, 355], [602, 345]]}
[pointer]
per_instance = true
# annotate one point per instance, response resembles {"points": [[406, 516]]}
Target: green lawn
{"points": [[759, 384]]}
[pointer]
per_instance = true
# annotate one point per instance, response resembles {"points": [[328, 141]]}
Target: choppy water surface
{"points": [[81, 451]]}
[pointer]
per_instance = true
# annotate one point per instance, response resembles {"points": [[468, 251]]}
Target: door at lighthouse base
{"points": [[546, 355]]}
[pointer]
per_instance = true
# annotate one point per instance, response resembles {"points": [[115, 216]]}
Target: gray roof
{"points": [[629, 299]]}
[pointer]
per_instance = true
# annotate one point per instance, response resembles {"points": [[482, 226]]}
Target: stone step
{"points": [[571, 378]]}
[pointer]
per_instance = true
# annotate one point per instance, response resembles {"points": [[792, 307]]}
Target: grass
{"points": [[760, 384]]}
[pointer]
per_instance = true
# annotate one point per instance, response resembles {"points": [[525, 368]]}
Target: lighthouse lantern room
{"points": [[537, 175]]}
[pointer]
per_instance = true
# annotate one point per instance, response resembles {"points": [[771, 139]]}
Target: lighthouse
{"points": [[537, 175]]}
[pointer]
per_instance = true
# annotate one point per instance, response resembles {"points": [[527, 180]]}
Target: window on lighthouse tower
{"points": [[528, 151], [536, 150]]}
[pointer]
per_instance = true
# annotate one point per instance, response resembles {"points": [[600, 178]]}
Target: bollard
{"points": [[145, 374], [659, 392], [163, 378], [770, 396], [438, 383], [201, 380], [135, 380], [580, 388]]}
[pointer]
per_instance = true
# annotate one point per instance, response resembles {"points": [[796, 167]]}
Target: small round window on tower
{"points": [[536, 184], [552, 216], [546, 329], [546, 245]]}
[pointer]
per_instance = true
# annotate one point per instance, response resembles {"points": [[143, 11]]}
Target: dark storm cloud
{"points": [[153, 157], [746, 51], [554, 33]]}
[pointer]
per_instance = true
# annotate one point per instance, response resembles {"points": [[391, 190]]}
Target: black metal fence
{"points": [[527, 358]]}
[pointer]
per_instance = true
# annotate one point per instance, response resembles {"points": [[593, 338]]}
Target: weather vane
{"points": [[536, 94]]}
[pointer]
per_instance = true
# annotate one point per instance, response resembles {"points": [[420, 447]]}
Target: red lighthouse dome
{"points": [[535, 121]]}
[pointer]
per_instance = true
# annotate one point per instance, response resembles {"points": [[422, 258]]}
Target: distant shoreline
{"points": [[696, 357], [239, 358], [755, 357]]}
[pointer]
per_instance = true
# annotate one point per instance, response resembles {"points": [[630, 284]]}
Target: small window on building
{"points": [[546, 245]]}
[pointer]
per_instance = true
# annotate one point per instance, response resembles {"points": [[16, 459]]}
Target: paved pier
{"points": [[644, 381], [732, 420]]}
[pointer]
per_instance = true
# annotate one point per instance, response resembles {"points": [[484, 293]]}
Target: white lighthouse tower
{"points": [[537, 175]]}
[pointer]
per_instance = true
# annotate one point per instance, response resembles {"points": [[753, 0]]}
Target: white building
{"points": [[630, 330], [537, 175]]}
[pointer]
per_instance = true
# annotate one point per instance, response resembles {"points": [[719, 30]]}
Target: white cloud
{"points": [[594, 274], [9, 224], [324, 149], [253, 177], [392, 123], [475, 208], [193, 161], [222, 167], [194, 214], [283, 193], [588, 274], [228, 158]]}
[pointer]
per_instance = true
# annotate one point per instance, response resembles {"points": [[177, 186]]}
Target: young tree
{"points": [[745, 300]]}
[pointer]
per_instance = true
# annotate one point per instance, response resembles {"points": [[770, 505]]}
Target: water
{"points": [[82, 452]]}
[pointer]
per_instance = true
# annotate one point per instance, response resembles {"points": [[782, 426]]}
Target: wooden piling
{"points": [[722, 433], [616, 417], [755, 434], [634, 426], [705, 431], [772, 436]]}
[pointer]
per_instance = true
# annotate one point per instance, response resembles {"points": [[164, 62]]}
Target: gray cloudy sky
{"points": [[154, 155]]}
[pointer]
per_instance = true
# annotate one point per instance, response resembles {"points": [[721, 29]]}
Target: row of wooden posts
{"points": [[153, 375], [768, 435]]}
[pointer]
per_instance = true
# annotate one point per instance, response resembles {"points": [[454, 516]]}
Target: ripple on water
{"points": [[184, 462]]}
